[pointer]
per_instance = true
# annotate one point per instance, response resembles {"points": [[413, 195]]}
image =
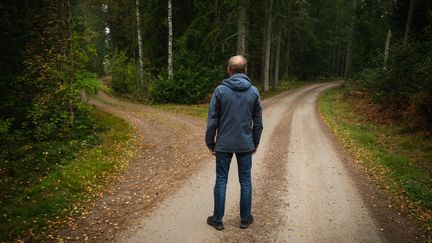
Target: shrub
{"points": [[188, 86], [88, 82], [126, 76], [404, 85]]}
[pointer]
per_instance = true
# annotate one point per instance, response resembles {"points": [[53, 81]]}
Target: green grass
{"points": [[50, 181], [400, 161], [201, 110]]}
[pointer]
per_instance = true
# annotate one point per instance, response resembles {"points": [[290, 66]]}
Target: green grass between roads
{"points": [[200, 110], [58, 177], [399, 161]]}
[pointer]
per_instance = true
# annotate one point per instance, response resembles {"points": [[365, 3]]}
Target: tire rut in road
{"points": [[271, 185]]}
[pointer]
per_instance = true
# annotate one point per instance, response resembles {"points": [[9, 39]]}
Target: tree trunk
{"points": [[69, 56], [263, 58], [408, 23], [288, 41], [170, 41], [337, 61], [333, 61], [241, 28], [387, 47], [277, 60], [349, 48], [287, 58], [140, 45], [267, 47]]}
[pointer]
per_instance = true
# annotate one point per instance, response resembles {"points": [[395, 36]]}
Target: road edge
{"points": [[396, 226]]}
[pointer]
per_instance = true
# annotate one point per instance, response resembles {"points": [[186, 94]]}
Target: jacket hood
{"points": [[238, 81]]}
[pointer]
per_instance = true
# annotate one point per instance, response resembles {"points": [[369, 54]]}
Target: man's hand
{"points": [[212, 151], [255, 150]]}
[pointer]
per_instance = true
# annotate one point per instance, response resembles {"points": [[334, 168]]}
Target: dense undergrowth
{"points": [[401, 91]]}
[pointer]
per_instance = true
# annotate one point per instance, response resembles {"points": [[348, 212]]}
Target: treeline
{"points": [[280, 38], [47, 54], [392, 62], [176, 52]]}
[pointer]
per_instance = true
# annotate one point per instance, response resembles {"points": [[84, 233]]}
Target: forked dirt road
{"points": [[301, 189], [304, 191]]}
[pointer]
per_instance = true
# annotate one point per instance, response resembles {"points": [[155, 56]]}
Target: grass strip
{"points": [[31, 212], [397, 160]]}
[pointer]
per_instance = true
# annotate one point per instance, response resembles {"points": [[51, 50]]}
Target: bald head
{"points": [[237, 64]]}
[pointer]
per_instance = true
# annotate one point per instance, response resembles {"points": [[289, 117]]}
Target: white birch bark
{"points": [[267, 49], [387, 47], [170, 41], [140, 44]]}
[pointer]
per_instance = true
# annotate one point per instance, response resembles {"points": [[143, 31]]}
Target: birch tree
{"points": [[170, 41], [140, 44], [387, 47], [267, 46]]}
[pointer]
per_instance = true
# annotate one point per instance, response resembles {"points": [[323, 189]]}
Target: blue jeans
{"points": [[244, 162]]}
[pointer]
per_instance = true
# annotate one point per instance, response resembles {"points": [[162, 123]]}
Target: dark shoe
{"points": [[216, 225], [244, 224]]}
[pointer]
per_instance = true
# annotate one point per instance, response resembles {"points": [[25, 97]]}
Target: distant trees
{"points": [[400, 86], [140, 45], [46, 54]]}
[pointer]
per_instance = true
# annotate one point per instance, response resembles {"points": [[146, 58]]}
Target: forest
{"points": [[55, 53], [51, 51]]}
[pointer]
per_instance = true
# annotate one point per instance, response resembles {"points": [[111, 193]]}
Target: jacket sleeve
{"points": [[213, 120], [257, 121]]}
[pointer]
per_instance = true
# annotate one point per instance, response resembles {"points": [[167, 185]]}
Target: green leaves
{"points": [[126, 76], [187, 87]]}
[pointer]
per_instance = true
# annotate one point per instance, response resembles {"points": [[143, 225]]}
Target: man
{"points": [[235, 118]]}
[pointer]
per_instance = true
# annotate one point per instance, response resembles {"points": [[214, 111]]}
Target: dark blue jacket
{"points": [[234, 116]]}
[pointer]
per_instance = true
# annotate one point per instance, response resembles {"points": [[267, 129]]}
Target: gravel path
{"points": [[306, 189], [168, 153], [303, 191]]}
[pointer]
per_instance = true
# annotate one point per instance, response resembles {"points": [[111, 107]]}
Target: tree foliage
{"points": [[53, 51], [402, 86], [42, 90], [40, 84]]}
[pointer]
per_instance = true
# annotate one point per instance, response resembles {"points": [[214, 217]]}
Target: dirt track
{"points": [[302, 189], [168, 153], [305, 188]]}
